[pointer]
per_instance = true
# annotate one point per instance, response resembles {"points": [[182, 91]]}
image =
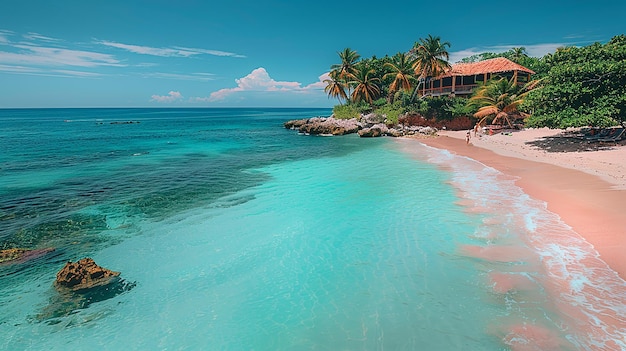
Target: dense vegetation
{"points": [[584, 87], [573, 87]]}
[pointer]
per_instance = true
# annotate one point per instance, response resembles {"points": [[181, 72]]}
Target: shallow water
{"points": [[240, 234]]}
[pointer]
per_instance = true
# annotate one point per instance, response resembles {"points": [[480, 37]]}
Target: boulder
{"points": [[370, 132], [395, 133], [428, 131], [295, 123], [372, 118], [84, 274], [328, 126], [80, 284]]}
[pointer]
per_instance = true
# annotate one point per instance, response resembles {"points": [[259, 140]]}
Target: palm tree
{"points": [[335, 87], [500, 99], [349, 59], [518, 53], [342, 72], [365, 85], [402, 71], [431, 58]]}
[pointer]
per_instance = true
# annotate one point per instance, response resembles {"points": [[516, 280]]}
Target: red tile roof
{"points": [[494, 65]]}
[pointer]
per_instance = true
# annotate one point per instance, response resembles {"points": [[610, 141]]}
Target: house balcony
{"points": [[445, 91]]}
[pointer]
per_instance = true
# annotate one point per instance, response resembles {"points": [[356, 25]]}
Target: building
{"points": [[462, 78]]}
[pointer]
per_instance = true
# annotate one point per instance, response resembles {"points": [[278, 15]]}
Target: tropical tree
{"points": [[584, 86], [402, 72], [349, 59], [517, 54], [365, 84], [500, 101], [431, 58], [335, 87]]}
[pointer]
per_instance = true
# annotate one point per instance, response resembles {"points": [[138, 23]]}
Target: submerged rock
{"points": [[83, 274], [17, 255], [78, 285]]}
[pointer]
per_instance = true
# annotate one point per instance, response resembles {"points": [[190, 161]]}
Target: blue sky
{"points": [[239, 53]]}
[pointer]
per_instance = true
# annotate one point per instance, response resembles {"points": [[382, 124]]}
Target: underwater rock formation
{"points": [[17, 255], [83, 274], [80, 284]]}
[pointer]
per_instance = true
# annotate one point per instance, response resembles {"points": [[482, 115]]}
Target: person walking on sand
{"points": [[468, 136]]}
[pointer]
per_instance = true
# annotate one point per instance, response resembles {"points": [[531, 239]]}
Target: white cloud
{"points": [[320, 84], [4, 36], [36, 36], [534, 50], [17, 69], [211, 52], [192, 76], [48, 56], [146, 50], [81, 74], [165, 52], [170, 97], [33, 71], [260, 81]]}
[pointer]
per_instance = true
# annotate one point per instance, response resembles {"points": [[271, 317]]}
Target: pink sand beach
{"points": [[587, 189]]}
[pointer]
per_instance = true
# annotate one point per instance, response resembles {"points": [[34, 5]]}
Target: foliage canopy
{"points": [[584, 86]]}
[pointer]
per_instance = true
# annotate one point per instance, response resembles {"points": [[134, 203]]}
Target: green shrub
{"points": [[392, 112], [346, 111], [380, 102]]}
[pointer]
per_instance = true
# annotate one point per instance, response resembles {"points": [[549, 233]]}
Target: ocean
{"points": [[233, 233]]}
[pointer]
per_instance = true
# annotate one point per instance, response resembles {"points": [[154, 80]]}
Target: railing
{"points": [[459, 89]]}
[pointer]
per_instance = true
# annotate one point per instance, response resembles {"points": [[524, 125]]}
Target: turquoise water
{"points": [[240, 235]]}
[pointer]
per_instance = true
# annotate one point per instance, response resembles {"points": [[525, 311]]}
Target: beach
{"points": [[586, 188]]}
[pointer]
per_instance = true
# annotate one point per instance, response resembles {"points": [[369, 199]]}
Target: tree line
{"points": [[572, 87]]}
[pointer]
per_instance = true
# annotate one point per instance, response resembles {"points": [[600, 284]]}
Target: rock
{"points": [[428, 130], [370, 132], [372, 118], [295, 123], [374, 131], [80, 284], [17, 255], [11, 254], [84, 274], [395, 133], [328, 126]]}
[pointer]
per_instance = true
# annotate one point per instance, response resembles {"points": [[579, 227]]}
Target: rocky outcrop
{"points": [[84, 274], [381, 130], [295, 123], [373, 131], [368, 126], [17, 255], [324, 126], [80, 284]]}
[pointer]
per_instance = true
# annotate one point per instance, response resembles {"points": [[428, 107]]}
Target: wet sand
{"points": [[587, 189]]}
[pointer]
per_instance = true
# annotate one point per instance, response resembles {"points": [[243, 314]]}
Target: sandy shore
{"points": [[587, 189]]}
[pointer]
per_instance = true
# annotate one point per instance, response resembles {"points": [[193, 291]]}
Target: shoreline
{"points": [[588, 199]]}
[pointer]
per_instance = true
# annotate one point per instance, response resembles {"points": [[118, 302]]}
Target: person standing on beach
{"points": [[468, 136]]}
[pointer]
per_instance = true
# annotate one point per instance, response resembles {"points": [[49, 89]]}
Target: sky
{"points": [[241, 53]]}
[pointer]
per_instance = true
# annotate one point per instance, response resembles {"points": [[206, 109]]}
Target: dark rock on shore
{"points": [[324, 126], [367, 126]]}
